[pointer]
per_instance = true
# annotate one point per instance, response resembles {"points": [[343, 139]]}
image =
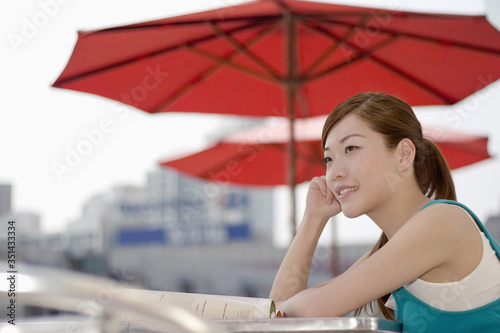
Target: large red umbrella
{"points": [[285, 58], [258, 156], [258, 58]]}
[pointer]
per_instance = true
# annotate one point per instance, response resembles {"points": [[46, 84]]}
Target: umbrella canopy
{"points": [[258, 156], [300, 58]]}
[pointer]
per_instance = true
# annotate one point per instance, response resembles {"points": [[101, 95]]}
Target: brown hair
{"points": [[395, 120]]}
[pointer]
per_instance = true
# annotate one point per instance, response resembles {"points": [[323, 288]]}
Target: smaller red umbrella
{"points": [[258, 156], [459, 149]]}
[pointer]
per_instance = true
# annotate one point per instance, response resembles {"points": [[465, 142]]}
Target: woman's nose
{"points": [[337, 170]]}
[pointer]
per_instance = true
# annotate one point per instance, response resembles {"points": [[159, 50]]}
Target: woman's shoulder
{"points": [[434, 237], [445, 216], [439, 225], [446, 203], [431, 238], [443, 226]]}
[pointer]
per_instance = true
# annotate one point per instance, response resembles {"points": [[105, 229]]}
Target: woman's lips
{"points": [[345, 191]]}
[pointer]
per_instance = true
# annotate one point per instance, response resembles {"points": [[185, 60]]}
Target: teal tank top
{"points": [[417, 316]]}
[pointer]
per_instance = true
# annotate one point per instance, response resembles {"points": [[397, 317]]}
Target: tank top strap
{"points": [[492, 241]]}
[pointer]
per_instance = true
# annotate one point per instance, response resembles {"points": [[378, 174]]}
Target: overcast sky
{"points": [[40, 125]]}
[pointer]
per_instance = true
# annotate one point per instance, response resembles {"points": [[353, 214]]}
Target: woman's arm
{"points": [[429, 240], [293, 273]]}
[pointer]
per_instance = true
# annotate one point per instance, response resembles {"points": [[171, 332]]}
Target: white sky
{"points": [[38, 124]]}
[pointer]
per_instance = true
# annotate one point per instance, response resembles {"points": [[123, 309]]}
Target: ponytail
{"points": [[433, 173]]}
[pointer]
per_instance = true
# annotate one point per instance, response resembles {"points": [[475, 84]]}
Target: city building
{"points": [[493, 226], [27, 224], [5, 198]]}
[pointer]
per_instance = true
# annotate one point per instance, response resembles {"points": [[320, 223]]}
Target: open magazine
{"points": [[213, 307]]}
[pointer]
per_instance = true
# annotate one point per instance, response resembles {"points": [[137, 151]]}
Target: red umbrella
{"points": [[311, 55], [285, 58], [258, 156]]}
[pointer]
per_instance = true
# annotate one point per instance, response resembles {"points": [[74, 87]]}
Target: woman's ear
{"points": [[406, 152]]}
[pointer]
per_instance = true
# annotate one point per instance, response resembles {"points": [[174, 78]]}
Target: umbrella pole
{"points": [[291, 83], [292, 172]]}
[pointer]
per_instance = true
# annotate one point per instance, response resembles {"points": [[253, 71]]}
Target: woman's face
{"points": [[359, 166]]}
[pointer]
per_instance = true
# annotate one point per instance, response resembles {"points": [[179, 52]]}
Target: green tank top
{"points": [[417, 316]]}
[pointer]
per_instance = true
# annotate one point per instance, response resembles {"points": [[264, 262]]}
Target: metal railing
{"points": [[102, 300]]}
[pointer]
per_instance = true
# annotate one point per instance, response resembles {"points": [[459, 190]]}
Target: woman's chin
{"points": [[350, 213]]}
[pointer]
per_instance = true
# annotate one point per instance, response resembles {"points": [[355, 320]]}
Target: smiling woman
{"points": [[378, 164]]}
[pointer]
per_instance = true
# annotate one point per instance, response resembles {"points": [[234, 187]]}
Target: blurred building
{"points": [[5, 198], [86, 233], [493, 226], [170, 214], [173, 210], [27, 224]]}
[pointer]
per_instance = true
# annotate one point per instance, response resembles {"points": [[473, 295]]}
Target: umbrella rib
{"points": [[411, 78], [244, 49], [227, 61], [368, 54], [433, 90], [220, 61], [331, 49], [446, 41], [60, 83], [337, 41], [464, 45]]}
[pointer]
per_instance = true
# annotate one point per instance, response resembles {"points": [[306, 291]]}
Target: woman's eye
{"points": [[327, 160], [348, 149]]}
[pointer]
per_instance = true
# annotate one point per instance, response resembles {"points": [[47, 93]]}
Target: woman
{"points": [[434, 264]]}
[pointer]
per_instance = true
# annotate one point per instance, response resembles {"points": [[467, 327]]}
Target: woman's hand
{"points": [[320, 201]]}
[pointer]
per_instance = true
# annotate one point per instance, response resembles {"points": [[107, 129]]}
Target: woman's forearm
{"points": [[293, 273]]}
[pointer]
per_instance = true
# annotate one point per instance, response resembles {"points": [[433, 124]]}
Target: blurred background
{"points": [[115, 212]]}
